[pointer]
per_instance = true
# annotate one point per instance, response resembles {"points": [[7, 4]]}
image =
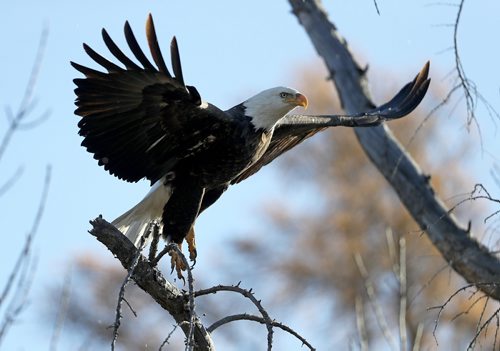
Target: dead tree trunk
{"points": [[468, 257]]}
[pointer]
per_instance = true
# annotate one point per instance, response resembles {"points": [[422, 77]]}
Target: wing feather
{"points": [[88, 72], [154, 47], [294, 129], [136, 49], [115, 50], [176, 60], [135, 120], [110, 66]]}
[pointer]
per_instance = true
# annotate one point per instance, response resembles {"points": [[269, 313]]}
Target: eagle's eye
{"points": [[284, 95]]}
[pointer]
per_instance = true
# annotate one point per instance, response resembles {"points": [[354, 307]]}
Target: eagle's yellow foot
{"points": [[177, 262], [191, 245]]}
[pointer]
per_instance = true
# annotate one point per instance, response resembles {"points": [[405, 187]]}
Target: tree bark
{"points": [[152, 281], [468, 257]]}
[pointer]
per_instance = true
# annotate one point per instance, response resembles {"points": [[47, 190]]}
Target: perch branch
{"points": [[152, 282]]}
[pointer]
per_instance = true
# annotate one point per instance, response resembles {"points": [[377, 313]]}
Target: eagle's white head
{"points": [[269, 106]]}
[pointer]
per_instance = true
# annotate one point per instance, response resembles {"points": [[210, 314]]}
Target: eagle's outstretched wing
{"points": [[293, 129], [134, 118]]}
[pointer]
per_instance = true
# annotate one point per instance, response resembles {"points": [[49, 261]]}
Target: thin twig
{"points": [[26, 102], [428, 282], [19, 300], [471, 306], [370, 291], [158, 257], [26, 250], [249, 317], [191, 295], [496, 331], [121, 294], [441, 307], [130, 307], [376, 6], [165, 342], [470, 90], [418, 337], [11, 181], [62, 311], [248, 294], [464, 81], [402, 295], [481, 316], [485, 324], [391, 248], [473, 195], [361, 324], [153, 248]]}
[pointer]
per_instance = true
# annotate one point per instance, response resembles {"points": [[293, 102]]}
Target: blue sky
{"points": [[229, 51]]}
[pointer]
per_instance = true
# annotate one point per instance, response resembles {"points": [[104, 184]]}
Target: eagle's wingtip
{"points": [[425, 70], [149, 22]]}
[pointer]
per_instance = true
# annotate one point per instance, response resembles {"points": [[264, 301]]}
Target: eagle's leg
{"points": [[179, 215], [191, 245]]}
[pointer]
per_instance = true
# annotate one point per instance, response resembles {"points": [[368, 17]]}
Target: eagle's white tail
{"points": [[135, 221]]}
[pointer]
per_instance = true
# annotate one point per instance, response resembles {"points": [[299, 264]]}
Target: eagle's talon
{"points": [[192, 256], [177, 263]]}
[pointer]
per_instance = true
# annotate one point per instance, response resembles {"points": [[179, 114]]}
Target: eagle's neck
{"points": [[264, 113]]}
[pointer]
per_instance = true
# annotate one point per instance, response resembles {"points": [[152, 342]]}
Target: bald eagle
{"points": [[140, 121]]}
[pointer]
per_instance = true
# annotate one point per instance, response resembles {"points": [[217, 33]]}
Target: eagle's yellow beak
{"points": [[299, 100]]}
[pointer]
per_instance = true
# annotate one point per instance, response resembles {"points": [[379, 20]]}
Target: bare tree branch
{"points": [[152, 281], [249, 317], [483, 327], [418, 337], [403, 297], [468, 257], [372, 298], [476, 194], [61, 313], [23, 269], [26, 251], [471, 93], [178, 303], [121, 294], [11, 181], [249, 295], [16, 121], [165, 342], [440, 308], [376, 6], [466, 84], [361, 324]]}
